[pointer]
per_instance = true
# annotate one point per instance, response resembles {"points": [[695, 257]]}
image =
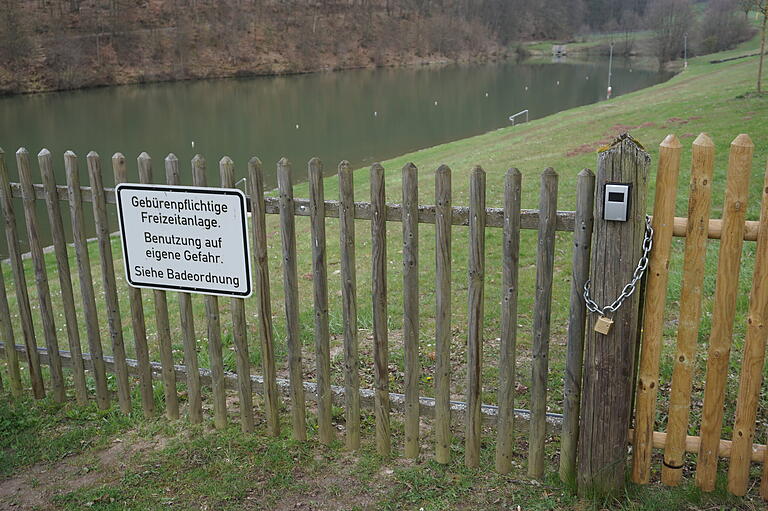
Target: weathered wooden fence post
{"points": [[608, 359]]}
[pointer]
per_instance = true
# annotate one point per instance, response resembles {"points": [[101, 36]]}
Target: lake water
{"points": [[362, 116]]}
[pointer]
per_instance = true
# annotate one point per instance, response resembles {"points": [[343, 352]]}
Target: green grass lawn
{"points": [[704, 98]]}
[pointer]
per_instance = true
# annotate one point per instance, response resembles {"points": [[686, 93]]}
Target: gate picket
{"points": [[734, 211], [702, 162]]}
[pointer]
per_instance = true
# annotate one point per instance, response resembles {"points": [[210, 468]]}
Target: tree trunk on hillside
{"points": [[764, 9]]}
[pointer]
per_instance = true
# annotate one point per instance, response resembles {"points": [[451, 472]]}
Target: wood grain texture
{"points": [[505, 439], [349, 306], [724, 309], [657, 275], [189, 340], [86, 279], [545, 260], [6, 330], [699, 199], [41, 275], [443, 314], [138, 323], [290, 288], [20, 282], [56, 223], [693, 443], [609, 359], [261, 275], [144, 164], [114, 318], [239, 328], [753, 361], [574, 361], [379, 299], [213, 321], [320, 287], [715, 228], [410, 226], [476, 302]]}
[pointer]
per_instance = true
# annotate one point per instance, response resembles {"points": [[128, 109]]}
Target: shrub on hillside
{"points": [[722, 27]]}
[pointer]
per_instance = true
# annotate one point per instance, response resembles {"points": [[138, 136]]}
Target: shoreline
{"points": [[133, 77]]}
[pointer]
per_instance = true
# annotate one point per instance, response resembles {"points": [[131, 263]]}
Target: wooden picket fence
{"points": [[511, 219], [445, 216], [732, 230]]}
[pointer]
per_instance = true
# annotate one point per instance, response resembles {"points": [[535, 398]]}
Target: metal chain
{"points": [[592, 306]]}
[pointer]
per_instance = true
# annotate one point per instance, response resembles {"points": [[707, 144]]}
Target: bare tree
{"points": [[670, 20], [746, 6], [722, 27], [762, 7], [15, 40], [630, 22]]}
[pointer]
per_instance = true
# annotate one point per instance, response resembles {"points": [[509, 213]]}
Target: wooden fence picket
{"points": [[545, 259], [6, 330], [476, 301], [574, 363], [734, 211], [41, 275], [443, 213], [261, 274], [187, 320], [215, 356], [753, 361], [508, 344], [138, 323], [702, 163], [291, 292], [349, 305], [239, 327], [20, 283], [144, 164], [45, 161], [379, 298], [320, 286], [411, 307], [114, 319], [653, 306], [86, 279]]}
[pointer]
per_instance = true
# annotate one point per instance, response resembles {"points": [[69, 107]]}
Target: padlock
{"points": [[603, 325]]}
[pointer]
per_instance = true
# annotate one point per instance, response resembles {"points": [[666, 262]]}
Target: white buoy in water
{"points": [[526, 87], [558, 82], [587, 77], [486, 94], [297, 126], [435, 103], [375, 113]]}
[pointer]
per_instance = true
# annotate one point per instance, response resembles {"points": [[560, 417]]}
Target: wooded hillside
{"points": [[62, 44]]}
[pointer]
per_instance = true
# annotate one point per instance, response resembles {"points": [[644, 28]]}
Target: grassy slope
{"points": [[703, 98]]}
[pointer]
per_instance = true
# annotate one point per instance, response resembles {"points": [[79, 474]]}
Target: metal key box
{"points": [[616, 202]]}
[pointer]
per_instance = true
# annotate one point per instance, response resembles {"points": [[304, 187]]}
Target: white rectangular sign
{"points": [[185, 238]]}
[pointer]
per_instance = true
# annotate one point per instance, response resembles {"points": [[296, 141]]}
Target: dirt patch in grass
{"points": [[332, 491], [37, 485]]}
